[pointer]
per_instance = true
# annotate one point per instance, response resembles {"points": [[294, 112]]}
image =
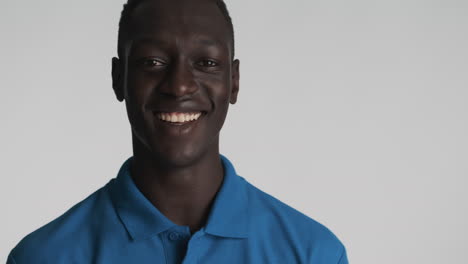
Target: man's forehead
{"points": [[163, 21], [203, 16], [198, 23], [160, 40], [177, 9]]}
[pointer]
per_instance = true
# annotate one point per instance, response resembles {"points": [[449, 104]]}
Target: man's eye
{"points": [[153, 63], [207, 63]]}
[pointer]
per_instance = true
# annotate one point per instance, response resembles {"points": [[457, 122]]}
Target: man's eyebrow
{"points": [[208, 41], [150, 41]]}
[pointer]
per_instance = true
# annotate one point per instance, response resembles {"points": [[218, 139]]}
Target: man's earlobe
{"points": [[117, 79], [235, 81]]}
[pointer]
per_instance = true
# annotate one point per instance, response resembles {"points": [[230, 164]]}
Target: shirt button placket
{"points": [[192, 251], [175, 246], [174, 236]]}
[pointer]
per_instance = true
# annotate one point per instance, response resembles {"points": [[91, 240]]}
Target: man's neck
{"points": [[182, 194]]}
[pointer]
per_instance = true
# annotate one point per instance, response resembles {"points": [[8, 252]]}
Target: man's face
{"points": [[178, 79]]}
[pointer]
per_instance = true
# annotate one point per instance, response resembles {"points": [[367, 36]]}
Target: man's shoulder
{"points": [[58, 238], [276, 218]]}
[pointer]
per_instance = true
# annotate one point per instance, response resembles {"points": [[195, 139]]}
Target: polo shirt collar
{"points": [[229, 213], [228, 216], [137, 213]]}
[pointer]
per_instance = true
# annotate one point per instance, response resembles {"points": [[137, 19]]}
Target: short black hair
{"points": [[124, 23]]}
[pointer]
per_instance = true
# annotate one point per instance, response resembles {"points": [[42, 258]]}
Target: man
{"points": [[177, 200]]}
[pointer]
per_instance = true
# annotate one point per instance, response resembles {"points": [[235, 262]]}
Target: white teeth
{"points": [[179, 117]]}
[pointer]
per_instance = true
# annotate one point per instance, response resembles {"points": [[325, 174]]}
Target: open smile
{"points": [[178, 118]]}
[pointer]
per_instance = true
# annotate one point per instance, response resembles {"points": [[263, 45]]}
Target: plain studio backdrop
{"points": [[353, 112]]}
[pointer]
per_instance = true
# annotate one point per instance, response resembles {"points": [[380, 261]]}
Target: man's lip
{"points": [[179, 108]]}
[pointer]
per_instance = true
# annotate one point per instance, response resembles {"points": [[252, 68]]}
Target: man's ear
{"points": [[234, 81], [117, 78]]}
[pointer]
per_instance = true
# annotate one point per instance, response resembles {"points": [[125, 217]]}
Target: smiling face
{"points": [[177, 79]]}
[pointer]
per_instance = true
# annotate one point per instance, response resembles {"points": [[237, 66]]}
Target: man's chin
{"points": [[178, 159]]}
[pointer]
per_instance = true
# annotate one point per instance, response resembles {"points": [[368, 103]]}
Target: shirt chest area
{"points": [[178, 246]]}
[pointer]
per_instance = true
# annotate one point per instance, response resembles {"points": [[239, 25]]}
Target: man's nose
{"points": [[180, 80]]}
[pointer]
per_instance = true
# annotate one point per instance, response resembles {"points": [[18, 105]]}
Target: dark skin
{"points": [[177, 60]]}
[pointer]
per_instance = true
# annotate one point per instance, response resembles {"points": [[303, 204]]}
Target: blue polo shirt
{"points": [[117, 224]]}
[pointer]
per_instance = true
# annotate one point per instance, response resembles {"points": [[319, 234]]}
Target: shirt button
{"points": [[174, 236]]}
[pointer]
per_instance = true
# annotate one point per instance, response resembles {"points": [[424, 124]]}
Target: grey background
{"points": [[353, 112]]}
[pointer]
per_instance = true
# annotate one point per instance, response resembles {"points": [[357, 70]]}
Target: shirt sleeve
{"points": [[10, 260], [343, 258]]}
